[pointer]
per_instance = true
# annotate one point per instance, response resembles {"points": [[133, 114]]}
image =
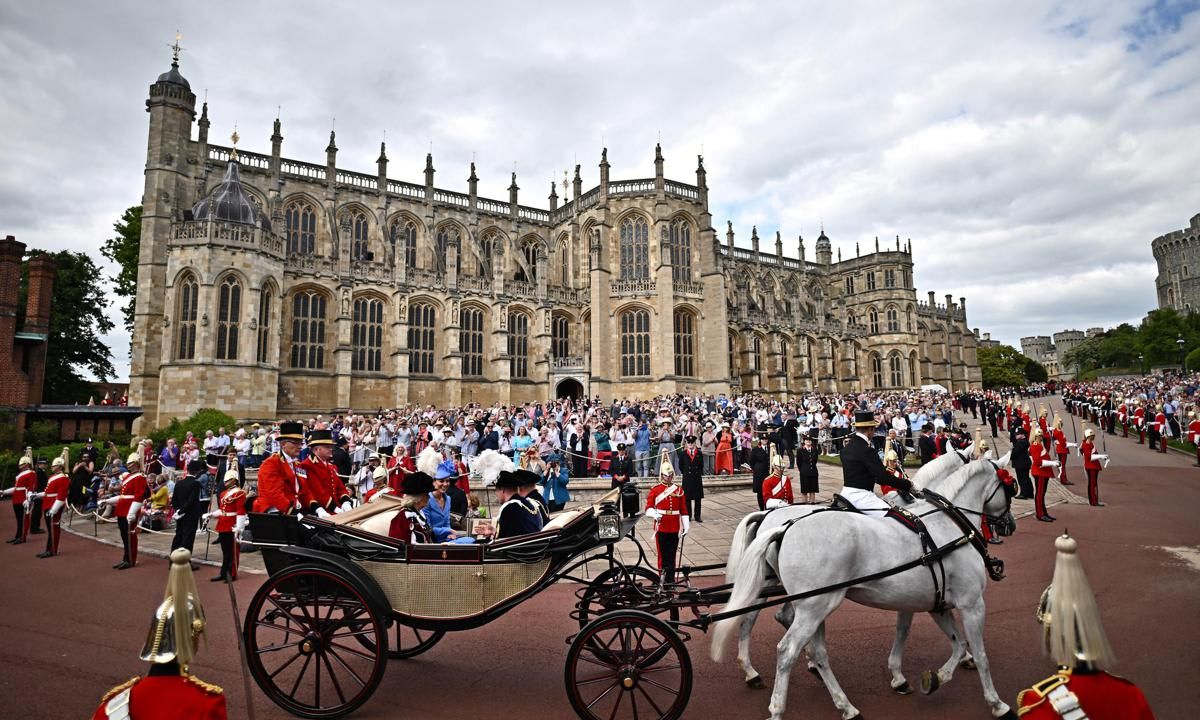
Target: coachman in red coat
{"points": [[280, 476], [322, 493]]}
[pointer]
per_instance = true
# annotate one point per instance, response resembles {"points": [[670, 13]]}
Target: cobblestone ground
{"points": [[725, 504]]}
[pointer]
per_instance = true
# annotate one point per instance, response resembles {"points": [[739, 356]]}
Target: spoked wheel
{"points": [[301, 632], [411, 642], [628, 664], [618, 588]]}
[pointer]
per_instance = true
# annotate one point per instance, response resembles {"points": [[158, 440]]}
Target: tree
{"points": [[77, 321], [1002, 366], [1159, 334], [1084, 356], [124, 250], [1034, 371]]}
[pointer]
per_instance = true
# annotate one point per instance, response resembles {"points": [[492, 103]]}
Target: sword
{"points": [[237, 630]]}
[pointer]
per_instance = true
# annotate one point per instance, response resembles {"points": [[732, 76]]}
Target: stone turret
{"points": [[824, 249]]}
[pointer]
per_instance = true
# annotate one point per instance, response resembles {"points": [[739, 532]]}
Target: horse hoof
{"points": [[967, 663], [903, 689], [930, 682], [756, 683]]}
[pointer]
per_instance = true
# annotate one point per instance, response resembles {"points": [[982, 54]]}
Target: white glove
{"points": [[109, 500], [7, 492], [240, 524], [776, 503], [1049, 463], [687, 524], [347, 506], [131, 516], [321, 513], [654, 514], [1071, 444], [1099, 456], [58, 505], [28, 504], [36, 495]]}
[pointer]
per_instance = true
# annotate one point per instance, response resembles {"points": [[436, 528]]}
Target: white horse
{"points": [[764, 521], [828, 548]]}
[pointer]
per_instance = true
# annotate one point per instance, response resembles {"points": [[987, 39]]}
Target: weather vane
{"points": [[176, 47]]}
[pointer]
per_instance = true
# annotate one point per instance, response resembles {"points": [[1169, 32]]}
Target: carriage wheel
{"points": [[618, 588], [300, 631], [411, 642], [628, 664]]}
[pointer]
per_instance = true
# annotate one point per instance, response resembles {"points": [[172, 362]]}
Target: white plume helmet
{"points": [[428, 460], [490, 464], [1074, 633]]}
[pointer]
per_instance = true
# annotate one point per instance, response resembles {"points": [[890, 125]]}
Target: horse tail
{"points": [[750, 578], [742, 536]]}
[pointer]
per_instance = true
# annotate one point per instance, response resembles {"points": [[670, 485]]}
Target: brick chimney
{"points": [[37, 301], [11, 253]]}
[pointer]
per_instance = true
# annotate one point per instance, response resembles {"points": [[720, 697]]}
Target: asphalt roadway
{"points": [[70, 627]]}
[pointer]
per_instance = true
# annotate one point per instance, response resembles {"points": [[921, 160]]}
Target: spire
{"points": [[473, 182], [754, 240], [553, 196], [729, 233], [429, 170], [658, 167], [603, 172], [512, 190], [204, 123], [332, 146], [382, 153]]}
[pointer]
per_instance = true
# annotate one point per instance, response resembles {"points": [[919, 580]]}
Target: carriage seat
{"points": [[562, 520]]}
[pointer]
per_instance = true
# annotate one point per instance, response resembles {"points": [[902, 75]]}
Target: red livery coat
{"points": [[278, 485], [667, 499], [26, 482], [133, 489], [1101, 697], [231, 504], [321, 485], [164, 697], [777, 487]]}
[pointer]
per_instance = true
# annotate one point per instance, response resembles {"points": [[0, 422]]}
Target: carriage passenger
{"points": [[409, 525], [437, 510], [862, 469], [518, 515]]}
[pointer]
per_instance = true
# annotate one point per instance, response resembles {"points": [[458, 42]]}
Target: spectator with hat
{"points": [[280, 476], [862, 470], [517, 515], [691, 472], [409, 525]]}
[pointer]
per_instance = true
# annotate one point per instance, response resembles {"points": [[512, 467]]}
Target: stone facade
{"points": [[354, 291], [1178, 256]]}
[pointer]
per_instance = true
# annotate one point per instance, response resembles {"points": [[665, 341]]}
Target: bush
{"points": [[42, 432], [1193, 360], [200, 422]]}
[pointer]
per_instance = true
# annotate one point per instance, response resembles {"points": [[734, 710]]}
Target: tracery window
{"points": [[445, 235], [560, 336], [264, 322], [870, 281], [366, 335], [785, 352], [635, 343], [889, 278], [876, 370], [470, 341], [635, 249], [187, 303], [518, 344], [564, 263], [404, 232], [681, 250], [421, 329], [873, 320], [850, 286], [685, 343], [894, 370], [893, 320], [229, 310], [300, 228], [359, 231], [308, 330]]}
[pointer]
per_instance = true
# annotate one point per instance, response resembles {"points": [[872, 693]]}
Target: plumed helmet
{"points": [[666, 469], [1070, 618], [1089, 433], [26, 461], [890, 456], [379, 474], [134, 459], [231, 477], [179, 621], [58, 463]]}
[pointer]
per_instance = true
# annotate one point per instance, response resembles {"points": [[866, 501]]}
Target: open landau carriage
{"points": [[342, 598]]}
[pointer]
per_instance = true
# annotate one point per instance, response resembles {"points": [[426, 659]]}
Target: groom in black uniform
{"points": [[862, 469]]}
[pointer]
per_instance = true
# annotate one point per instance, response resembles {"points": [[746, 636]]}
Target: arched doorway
{"points": [[569, 388]]}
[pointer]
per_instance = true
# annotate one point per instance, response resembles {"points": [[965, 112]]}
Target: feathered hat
{"points": [[428, 460], [1069, 615], [490, 464]]}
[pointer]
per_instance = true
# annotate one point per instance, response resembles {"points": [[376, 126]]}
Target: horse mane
{"points": [[936, 469], [949, 486]]}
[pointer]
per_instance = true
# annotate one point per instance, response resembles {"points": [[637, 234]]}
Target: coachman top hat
{"points": [[291, 431], [320, 437], [508, 479], [864, 418]]}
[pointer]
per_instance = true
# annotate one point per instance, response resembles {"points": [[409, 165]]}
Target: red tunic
{"points": [[1060, 442], [26, 482], [464, 476], [1139, 417], [896, 473], [1160, 423], [278, 485], [231, 504], [667, 499], [321, 485], [397, 469], [1086, 449], [1101, 697], [133, 489], [1194, 432], [1122, 413], [1037, 454], [56, 489], [777, 487], [164, 697]]}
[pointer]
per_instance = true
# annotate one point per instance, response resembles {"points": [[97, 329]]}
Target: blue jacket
{"points": [[438, 518], [642, 442], [556, 487]]}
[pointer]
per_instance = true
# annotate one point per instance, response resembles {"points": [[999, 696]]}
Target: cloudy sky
{"points": [[1030, 150]]}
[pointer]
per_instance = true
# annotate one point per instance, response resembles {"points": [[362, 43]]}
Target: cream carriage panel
{"points": [[448, 591]]}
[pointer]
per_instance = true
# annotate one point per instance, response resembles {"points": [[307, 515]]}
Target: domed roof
{"points": [[174, 77], [822, 239], [228, 201]]}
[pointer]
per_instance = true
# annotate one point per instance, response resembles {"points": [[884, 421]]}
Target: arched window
{"points": [[849, 285], [760, 362], [422, 319], [870, 281], [470, 341], [873, 320], [785, 352], [894, 371], [564, 264], [529, 254], [635, 249], [300, 222], [445, 235], [229, 313], [681, 250], [560, 336], [366, 335], [876, 370], [518, 344], [685, 344], [264, 322], [908, 321], [487, 246], [360, 228], [404, 233], [635, 343], [733, 365], [187, 302], [851, 318], [308, 330], [893, 320], [912, 370]]}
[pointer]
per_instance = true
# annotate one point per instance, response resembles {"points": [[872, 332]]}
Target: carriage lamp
{"points": [[608, 522]]}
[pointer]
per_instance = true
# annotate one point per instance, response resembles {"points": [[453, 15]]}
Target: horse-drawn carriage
{"points": [[342, 598]]}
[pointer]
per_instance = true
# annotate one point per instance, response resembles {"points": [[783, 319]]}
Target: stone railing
{"points": [[345, 177], [404, 189], [295, 168], [562, 213], [425, 278], [315, 264], [492, 207], [589, 198], [633, 287], [520, 288], [572, 362], [687, 287], [481, 286], [246, 237], [534, 214], [630, 187], [680, 190], [568, 295], [219, 153], [451, 198], [373, 271]]}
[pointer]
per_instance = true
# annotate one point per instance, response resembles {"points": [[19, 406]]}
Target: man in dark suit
{"points": [[691, 471], [621, 466], [925, 445], [862, 469], [760, 467], [188, 508]]}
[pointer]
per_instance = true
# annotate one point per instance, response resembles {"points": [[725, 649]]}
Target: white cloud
{"points": [[1030, 150]]}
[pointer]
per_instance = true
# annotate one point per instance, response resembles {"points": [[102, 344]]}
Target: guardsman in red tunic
{"points": [[1123, 417], [54, 500], [322, 493], [168, 692], [1193, 433], [777, 487], [1082, 689], [280, 475], [891, 463], [128, 501], [1043, 423], [1092, 466], [22, 491], [1060, 449], [231, 520], [1164, 429], [665, 503], [1139, 420], [1042, 470]]}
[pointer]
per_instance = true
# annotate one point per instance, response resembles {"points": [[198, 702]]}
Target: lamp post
{"points": [[1180, 342], [1141, 365]]}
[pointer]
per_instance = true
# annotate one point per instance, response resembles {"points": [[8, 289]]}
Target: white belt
{"points": [[127, 497], [1066, 704]]}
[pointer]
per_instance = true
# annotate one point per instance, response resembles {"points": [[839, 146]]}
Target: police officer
{"points": [[621, 466], [862, 469]]}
